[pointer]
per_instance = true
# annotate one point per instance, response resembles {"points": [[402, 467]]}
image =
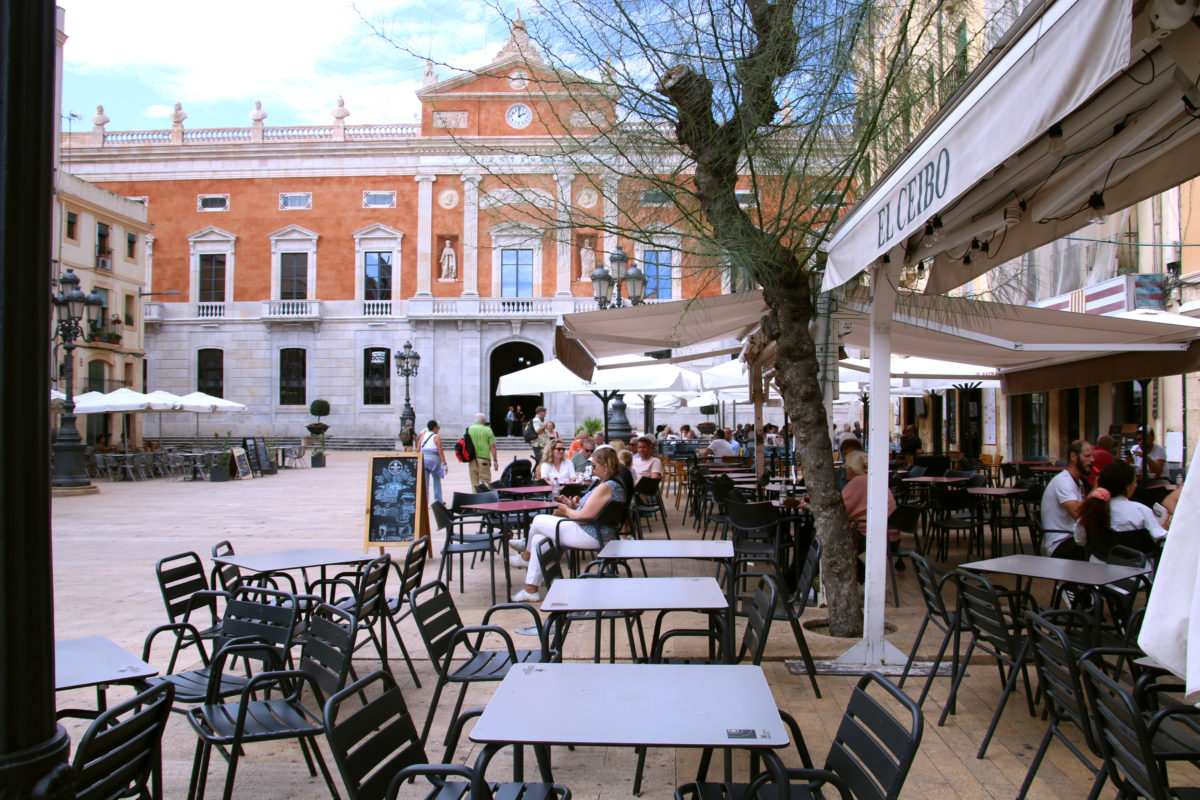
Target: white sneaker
{"points": [[525, 597], [516, 560], [516, 545]]}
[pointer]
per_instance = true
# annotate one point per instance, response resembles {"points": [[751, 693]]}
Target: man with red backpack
{"points": [[484, 440]]}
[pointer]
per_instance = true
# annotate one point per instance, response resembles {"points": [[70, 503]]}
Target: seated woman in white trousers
{"points": [[573, 534]]}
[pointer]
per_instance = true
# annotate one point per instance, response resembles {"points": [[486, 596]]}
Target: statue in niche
{"points": [[587, 258], [449, 262]]}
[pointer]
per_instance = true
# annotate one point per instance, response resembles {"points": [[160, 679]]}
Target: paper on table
{"points": [[1173, 613]]}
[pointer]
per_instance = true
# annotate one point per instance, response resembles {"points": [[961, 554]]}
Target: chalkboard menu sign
{"points": [[252, 456], [396, 510], [241, 462]]}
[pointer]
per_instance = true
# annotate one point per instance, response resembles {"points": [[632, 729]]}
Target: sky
{"points": [[138, 58]]}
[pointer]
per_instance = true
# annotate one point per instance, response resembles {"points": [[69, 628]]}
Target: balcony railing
{"points": [[377, 308], [210, 310], [517, 306], [291, 309]]}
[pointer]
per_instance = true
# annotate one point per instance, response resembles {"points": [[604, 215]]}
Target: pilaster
{"points": [[424, 233]]}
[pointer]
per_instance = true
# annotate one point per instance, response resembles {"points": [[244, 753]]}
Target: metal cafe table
{"points": [[525, 490], [95, 661], [581, 595], [631, 549], [634, 705], [301, 558]]}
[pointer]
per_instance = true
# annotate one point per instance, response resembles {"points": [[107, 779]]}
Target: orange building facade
{"points": [[305, 257]]}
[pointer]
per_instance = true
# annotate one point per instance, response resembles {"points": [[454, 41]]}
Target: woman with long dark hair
{"points": [[1110, 506]]}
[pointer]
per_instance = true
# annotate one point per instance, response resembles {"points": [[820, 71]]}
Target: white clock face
{"points": [[519, 115]]}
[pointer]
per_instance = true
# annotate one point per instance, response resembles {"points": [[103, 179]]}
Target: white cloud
{"points": [[297, 56]]}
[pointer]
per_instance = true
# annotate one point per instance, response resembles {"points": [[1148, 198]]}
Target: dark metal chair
{"points": [[995, 620], [937, 612], [185, 590], [364, 596], [1126, 734], [869, 759], [459, 542], [398, 607], [757, 532], [376, 749], [1062, 686], [956, 510], [443, 632], [611, 516], [260, 715], [266, 616], [793, 607], [648, 503], [120, 754]]}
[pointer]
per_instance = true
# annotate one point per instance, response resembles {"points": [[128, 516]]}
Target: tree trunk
{"points": [[796, 374]]}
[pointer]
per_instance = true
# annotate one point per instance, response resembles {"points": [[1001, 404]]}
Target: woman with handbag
{"points": [[433, 458]]}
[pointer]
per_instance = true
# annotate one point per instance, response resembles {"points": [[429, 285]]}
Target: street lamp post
{"points": [[622, 271], [407, 362], [71, 306]]}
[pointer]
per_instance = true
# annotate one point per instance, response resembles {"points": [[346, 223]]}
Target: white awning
{"points": [[1080, 100]]}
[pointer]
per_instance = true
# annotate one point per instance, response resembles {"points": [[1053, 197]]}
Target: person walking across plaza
{"points": [[433, 459], [485, 459], [541, 435]]}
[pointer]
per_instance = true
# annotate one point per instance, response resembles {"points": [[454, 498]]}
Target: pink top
{"points": [[854, 494]]}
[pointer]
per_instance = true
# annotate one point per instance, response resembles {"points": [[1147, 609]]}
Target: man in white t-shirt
{"points": [[645, 463], [719, 447], [1156, 462], [1061, 502]]}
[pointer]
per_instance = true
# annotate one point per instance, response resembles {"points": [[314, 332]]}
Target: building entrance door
{"points": [[506, 358]]}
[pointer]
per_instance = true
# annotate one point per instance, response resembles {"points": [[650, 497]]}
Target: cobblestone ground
{"points": [[106, 546]]}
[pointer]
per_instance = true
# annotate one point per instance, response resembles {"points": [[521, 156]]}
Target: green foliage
{"points": [[224, 454], [319, 408], [593, 424], [708, 411], [319, 446]]}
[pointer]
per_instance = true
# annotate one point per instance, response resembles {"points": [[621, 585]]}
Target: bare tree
{"points": [[749, 125]]}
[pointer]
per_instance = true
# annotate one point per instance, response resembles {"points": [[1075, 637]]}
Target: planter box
{"points": [[318, 459], [218, 474]]}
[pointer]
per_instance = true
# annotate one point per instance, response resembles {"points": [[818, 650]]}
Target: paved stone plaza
{"points": [[106, 546]]}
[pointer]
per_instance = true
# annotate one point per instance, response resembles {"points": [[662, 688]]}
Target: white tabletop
{"points": [[672, 548], [656, 705], [634, 594]]}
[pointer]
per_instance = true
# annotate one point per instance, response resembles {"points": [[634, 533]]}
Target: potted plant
{"points": [[221, 470], [708, 428], [318, 453], [270, 468], [318, 408]]}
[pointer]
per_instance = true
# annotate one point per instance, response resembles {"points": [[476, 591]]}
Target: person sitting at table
{"points": [[585, 535], [719, 447], [854, 495], [1110, 506], [582, 461], [686, 433], [1102, 456], [1061, 502], [1156, 460], [645, 463], [910, 443], [104, 444], [555, 468], [577, 442]]}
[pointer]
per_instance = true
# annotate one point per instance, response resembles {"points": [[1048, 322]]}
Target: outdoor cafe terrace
{"points": [[106, 547]]}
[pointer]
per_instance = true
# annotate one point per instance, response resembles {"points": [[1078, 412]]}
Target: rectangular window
{"points": [[379, 200], [212, 202], [210, 372], [295, 201], [129, 301], [516, 273], [72, 225], [656, 264], [292, 377], [293, 276], [377, 274], [746, 197], [103, 293], [130, 245], [212, 277], [377, 381], [103, 250], [654, 197]]}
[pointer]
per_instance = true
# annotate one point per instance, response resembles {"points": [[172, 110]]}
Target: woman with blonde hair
{"points": [[555, 468], [584, 535]]}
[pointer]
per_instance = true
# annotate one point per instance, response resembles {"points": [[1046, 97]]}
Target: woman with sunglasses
{"points": [[555, 468]]}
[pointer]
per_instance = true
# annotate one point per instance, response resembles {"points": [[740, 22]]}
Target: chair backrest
{"points": [[371, 743], [916, 471], [1102, 542], [874, 749], [264, 615], [905, 518], [548, 555], [437, 619], [647, 486], [1008, 471], [1058, 672], [760, 611], [460, 499], [179, 577], [370, 593], [329, 647], [984, 613], [441, 515], [808, 574], [1121, 730], [752, 515], [931, 588], [122, 748], [414, 565], [227, 576]]}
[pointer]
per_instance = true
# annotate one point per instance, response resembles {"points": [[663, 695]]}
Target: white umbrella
{"points": [[201, 403], [651, 379], [729, 375], [549, 376], [88, 402]]}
